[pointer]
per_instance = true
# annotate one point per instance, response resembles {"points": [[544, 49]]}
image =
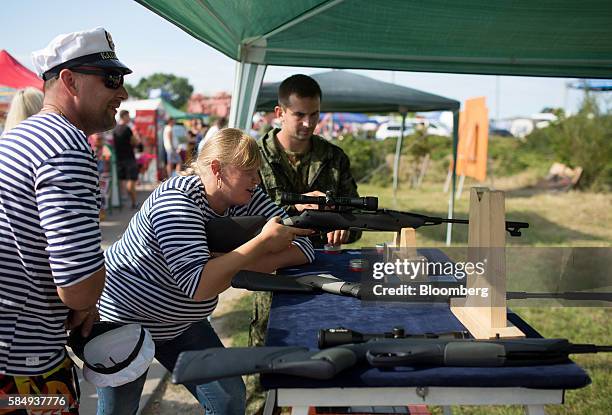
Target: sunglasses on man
{"points": [[113, 79]]}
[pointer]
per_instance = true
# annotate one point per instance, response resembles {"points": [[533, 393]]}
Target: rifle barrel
{"points": [[514, 228], [589, 348], [565, 295]]}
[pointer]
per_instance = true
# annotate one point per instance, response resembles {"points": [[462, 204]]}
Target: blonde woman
{"points": [[161, 273], [25, 103]]}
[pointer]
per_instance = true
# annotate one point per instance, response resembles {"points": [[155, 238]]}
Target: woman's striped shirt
{"points": [[153, 271]]}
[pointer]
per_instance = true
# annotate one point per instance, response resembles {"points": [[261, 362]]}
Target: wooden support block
{"points": [[485, 318], [403, 245], [477, 320], [403, 248], [405, 240]]}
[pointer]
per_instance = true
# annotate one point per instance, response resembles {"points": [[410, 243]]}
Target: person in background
{"points": [[200, 137], [219, 124], [190, 149], [53, 270], [104, 156], [124, 141], [25, 103], [163, 275], [172, 157]]}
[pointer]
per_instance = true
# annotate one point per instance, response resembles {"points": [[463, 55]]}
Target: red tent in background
{"points": [[15, 75]]}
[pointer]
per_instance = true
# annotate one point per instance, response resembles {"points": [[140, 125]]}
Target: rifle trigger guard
{"points": [[422, 392], [386, 359]]}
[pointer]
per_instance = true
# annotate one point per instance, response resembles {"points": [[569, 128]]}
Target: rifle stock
{"points": [[202, 366], [228, 233], [259, 281], [318, 283]]}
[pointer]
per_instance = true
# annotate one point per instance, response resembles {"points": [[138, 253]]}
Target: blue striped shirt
{"points": [[49, 237], [153, 271]]}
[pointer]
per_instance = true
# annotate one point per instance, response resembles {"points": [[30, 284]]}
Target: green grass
{"points": [[556, 219], [238, 323], [574, 219], [580, 325]]}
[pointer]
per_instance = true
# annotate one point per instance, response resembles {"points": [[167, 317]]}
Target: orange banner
{"points": [[473, 139]]}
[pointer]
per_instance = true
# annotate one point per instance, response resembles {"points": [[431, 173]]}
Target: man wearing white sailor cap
{"points": [[53, 266], [83, 78]]}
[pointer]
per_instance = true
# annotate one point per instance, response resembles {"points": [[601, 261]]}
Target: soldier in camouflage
{"points": [[297, 161]]}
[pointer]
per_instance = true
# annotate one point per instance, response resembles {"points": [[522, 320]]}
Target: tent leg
{"points": [[247, 82], [398, 153], [461, 181], [451, 200], [447, 182]]}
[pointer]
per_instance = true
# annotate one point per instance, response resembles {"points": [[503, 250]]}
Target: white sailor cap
{"points": [[113, 354], [93, 47]]}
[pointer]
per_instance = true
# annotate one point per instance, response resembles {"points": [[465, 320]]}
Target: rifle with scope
{"points": [[327, 338], [207, 365], [319, 283], [346, 213]]}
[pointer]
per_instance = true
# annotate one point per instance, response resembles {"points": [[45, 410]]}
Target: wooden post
{"points": [[403, 245], [485, 317], [403, 248], [405, 240]]}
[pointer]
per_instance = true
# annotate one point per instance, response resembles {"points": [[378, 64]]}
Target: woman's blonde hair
{"points": [[25, 103], [230, 146]]}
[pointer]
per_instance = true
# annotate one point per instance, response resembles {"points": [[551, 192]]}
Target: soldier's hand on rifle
{"points": [[337, 237], [278, 237], [302, 207]]}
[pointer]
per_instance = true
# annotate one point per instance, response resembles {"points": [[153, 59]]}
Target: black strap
{"points": [[81, 60]]}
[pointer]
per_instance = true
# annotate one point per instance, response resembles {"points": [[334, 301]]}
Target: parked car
{"points": [[433, 128], [501, 132], [388, 130]]}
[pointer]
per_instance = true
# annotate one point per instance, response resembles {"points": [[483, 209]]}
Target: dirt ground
{"points": [[170, 399]]}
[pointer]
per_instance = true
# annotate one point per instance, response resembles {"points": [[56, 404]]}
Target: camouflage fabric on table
{"points": [[256, 396]]}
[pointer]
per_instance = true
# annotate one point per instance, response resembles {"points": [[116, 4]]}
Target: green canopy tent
{"points": [[544, 38], [177, 114], [522, 37], [349, 92]]}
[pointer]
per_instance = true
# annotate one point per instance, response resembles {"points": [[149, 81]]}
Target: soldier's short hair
{"points": [[301, 85]]}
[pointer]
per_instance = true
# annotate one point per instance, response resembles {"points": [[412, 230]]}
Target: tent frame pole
{"points": [[451, 200], [398, 152], [247, 82]]}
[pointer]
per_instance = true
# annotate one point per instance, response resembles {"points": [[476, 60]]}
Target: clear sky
{"points": [[147, 44]]}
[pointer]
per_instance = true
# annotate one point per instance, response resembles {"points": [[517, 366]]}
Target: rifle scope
{"points": [[365, 203], [336, 337]]}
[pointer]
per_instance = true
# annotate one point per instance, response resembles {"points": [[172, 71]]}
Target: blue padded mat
{"points": [[296, 318]]}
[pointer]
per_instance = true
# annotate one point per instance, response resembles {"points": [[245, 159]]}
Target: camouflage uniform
{"points": [[329, 169], [326, 167]]}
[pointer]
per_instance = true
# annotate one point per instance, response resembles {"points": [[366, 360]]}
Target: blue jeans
{"points": [[222, 397]]}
